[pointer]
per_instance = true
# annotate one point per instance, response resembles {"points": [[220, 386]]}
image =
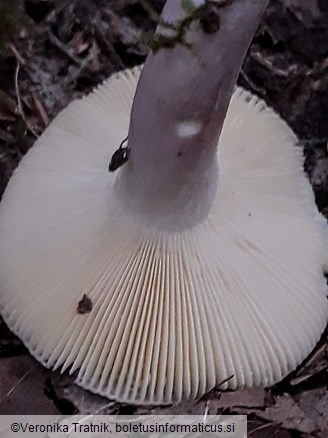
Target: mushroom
{"points": [[199, 263]]}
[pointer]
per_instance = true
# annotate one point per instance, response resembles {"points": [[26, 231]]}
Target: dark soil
{"points": [[52, 51]]}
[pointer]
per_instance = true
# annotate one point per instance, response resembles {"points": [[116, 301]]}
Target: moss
{"points": [[179, 30]]}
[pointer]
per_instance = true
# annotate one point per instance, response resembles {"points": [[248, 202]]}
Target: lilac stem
{"points": [[178, 113]]}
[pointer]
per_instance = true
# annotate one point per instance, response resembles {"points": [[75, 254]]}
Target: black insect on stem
{"points": [[210, 20], [119, 157]]}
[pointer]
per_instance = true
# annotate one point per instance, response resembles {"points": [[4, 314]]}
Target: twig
{"points": [[206, 412], [255, 88], [73, 76], [42, 112], [16, 53], [264, 426], [20, 381], [216, 388], [108, 405], [19, 102], [60, 46]]}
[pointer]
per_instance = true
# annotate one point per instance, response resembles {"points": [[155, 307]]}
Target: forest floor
{"points": [[52, 51]]}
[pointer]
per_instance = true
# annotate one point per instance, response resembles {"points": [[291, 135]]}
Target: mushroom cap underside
{"points": [[172, 314]]}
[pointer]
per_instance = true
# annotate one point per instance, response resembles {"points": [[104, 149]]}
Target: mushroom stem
{"points": [[179, 109]]}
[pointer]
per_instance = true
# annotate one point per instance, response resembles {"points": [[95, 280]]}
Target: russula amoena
{"points": [[199, 262]]}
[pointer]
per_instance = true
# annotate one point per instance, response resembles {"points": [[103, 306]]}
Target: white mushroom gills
{"points": [[178, 306]]}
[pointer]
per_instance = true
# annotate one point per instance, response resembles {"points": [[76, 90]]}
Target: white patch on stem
{"points": [[188, 128]]}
